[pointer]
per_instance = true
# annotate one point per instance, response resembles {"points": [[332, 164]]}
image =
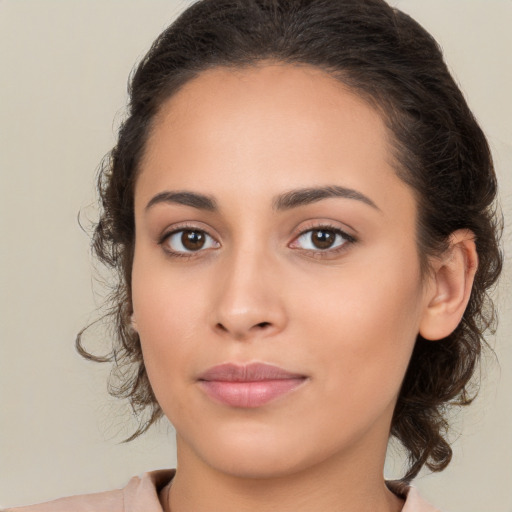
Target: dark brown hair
{"points": [[391, 61]]}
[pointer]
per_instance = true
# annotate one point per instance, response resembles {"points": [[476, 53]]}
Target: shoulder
{"points": [[141, 493], [414, 502], [111, 501]]}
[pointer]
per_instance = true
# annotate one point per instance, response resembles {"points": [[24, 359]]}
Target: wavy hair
{"points": [[388, 59]]}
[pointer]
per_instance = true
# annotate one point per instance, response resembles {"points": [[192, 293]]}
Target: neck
{"points": [[346, 483]]}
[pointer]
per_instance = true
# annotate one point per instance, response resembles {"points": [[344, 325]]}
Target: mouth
{"points": [[248, 386]]}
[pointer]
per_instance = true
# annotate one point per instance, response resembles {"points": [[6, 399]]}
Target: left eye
{"points": [[189, 240], [321, 239]]}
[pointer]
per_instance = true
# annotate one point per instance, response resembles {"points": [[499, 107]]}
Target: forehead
{"points": [[284, 125], [292, 102]]}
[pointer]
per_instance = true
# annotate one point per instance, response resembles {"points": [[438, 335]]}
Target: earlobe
{"points": [[451, 284], [133, 322]]}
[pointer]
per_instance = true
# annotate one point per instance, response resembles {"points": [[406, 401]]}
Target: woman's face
{"points": [[271, 228]]}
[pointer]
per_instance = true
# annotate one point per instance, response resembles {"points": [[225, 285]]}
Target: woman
{"points": [[300, 207]]}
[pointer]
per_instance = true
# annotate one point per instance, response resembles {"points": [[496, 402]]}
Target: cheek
{"points": [[165, 298], [365, 325], [167, 314]]}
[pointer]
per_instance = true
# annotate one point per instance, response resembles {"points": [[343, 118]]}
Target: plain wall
{"points": [[63, 72]]}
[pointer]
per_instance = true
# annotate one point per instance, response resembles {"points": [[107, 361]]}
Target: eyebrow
{"points": [[193, 199], [286, 201], [305, 196]]}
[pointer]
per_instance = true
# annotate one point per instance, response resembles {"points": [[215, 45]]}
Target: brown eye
{"points": [[192, 240], [322, 239], [189, 240]]}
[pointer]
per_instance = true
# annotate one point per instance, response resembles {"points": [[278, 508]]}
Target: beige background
{"points": [[63, 70]]}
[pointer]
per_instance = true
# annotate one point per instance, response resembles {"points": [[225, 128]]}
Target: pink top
{"points": [[141, 495]]}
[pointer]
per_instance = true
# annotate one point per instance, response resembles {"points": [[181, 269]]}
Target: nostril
{"points": [[221, 327], [242, 331]]}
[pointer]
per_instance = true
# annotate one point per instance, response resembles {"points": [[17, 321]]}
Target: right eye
{"points": [[187, 241]]}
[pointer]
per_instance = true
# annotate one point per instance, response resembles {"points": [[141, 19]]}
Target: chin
{"points": [[261, 466], [257, 457]]}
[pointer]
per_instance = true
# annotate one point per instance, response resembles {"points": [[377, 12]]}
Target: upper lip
{"points": [[229, 372]]}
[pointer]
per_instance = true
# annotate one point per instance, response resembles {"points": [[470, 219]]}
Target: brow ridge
{"points": [[186, 198], [305, 196], [286, 201]]}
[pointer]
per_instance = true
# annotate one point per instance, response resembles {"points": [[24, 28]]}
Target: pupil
{"points": [[323, 239], [192, 240]]}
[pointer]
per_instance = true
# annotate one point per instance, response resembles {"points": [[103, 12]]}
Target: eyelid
{"points": [[169, 232], [310, 226], [327, 226]]}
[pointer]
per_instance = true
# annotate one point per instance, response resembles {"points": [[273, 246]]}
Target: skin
{"points": [[258, 290]]}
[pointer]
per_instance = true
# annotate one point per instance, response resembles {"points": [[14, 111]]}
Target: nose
{"points": [[249, 299]]}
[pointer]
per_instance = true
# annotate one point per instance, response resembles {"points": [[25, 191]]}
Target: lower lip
{"points": [[249, 394]]}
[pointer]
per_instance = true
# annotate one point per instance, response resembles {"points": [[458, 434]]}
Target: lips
{"points": [[248, 386]]}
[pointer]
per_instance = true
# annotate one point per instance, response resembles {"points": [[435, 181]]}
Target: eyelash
{"points": [[182, 228], [348, 240], [329, 252]]}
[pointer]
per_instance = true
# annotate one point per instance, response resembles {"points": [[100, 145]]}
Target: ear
{"points": [[133, 322], [450, 286]]}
